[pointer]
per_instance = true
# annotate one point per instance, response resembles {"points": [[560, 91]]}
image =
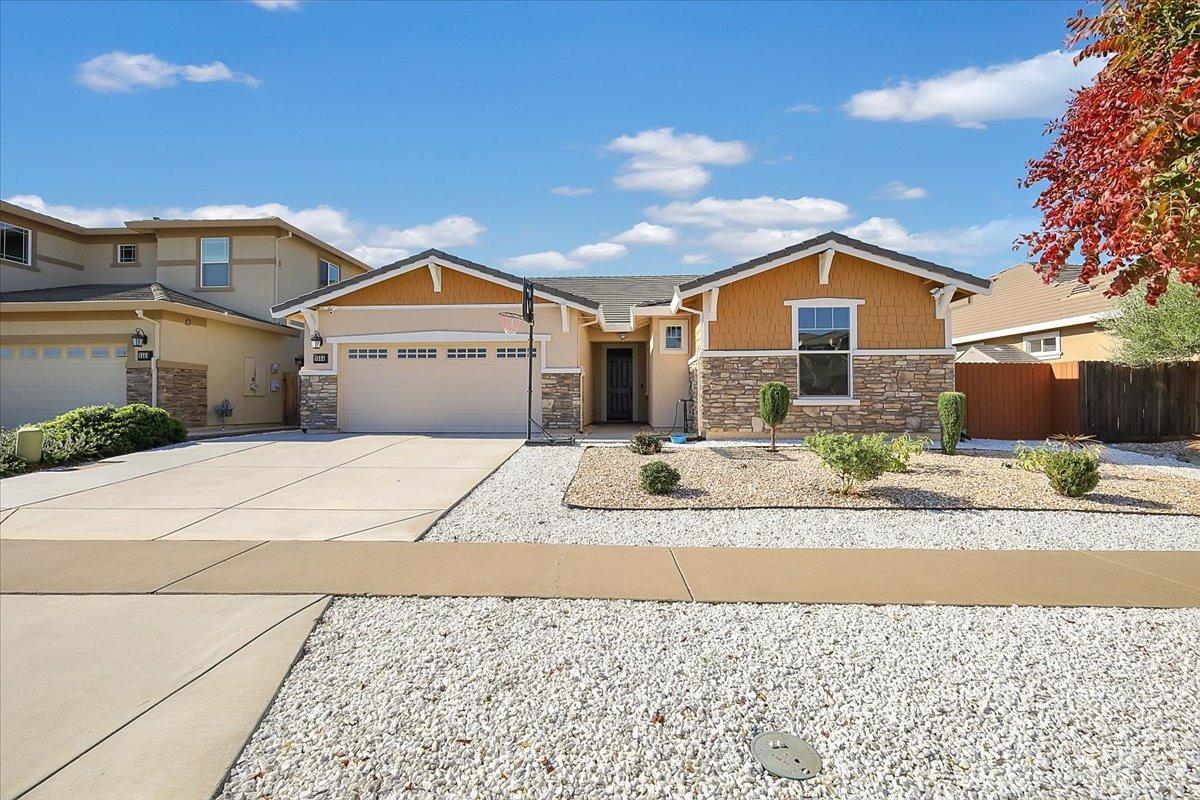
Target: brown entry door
{"points": [[619, 369]]}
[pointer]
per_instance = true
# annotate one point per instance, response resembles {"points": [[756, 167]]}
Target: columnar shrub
{"points": [[774, 402], [855, 459], [952, 413], [645, 443], [658, 477]]}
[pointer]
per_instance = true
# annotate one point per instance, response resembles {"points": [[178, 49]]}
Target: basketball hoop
{"points": [[513, 324]]}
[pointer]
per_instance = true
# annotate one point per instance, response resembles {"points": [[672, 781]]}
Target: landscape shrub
{"points": [[952, 413], [659, 477], [146, 426], [903, 449], [1072, 473], [71, 447], [645, 443], [113, 431], [1032, 459], [774, 403], [9, 463], [855, 459]]}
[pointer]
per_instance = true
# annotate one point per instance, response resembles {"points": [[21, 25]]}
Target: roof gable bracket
{"points": [[712, 311], [566, 318], [824, 264], [942, 297], [435, 272], [310, 318]]}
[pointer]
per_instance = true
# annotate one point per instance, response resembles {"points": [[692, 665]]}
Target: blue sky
{"points": [[681, 138]]}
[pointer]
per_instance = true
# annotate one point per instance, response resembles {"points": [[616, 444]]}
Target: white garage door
{"points": [[435, 388], [38, 382]]}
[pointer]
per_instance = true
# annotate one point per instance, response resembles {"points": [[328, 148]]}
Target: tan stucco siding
{"points": [[898, 312], [251, 272], [668, 375], [63, 259], [1077, 342], [415, 287]]}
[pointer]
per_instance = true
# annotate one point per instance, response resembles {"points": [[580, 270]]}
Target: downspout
{"points": [[154, 354], [275, 277]]}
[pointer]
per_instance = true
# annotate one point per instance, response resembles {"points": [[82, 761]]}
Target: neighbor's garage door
{"points": [[38, 382], [434, 388]]}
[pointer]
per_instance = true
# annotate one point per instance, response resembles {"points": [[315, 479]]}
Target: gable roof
{"points": [[844, 244], [425, 258], [130, 293], [1021, 302], [619, 295], [995, 354]]}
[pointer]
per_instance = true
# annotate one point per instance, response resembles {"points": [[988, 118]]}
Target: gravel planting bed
{"points": [[1185, 450], [523, 501], [482, 698], [754, 477]]}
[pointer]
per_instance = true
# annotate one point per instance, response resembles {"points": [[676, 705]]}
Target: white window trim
{"points": [[28, 260], [827, 302], [1056, 353], [228, 262], [662, 332]]}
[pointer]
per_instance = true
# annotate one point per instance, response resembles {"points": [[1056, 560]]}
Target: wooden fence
{"points": [[1112, 402]]}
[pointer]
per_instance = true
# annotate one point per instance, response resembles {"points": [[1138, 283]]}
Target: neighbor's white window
{"points": [[127, 254], [15, 243], [328, 274], [672, 337], [214, 262], [825, 336], [1044, 345], [51, 352]]}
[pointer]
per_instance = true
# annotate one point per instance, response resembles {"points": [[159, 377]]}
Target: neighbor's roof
{"points": [[54, 222], [122, 293], [963, 279], [1021, 300], [995, 354]]}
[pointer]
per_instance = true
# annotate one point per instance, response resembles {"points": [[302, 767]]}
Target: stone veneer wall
{"points": [[183, 392], [137, 385], [318, 402], [895, 393], [562, 400], [694, 396]]}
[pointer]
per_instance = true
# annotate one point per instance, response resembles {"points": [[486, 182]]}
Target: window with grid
{"points": [[15, 243], [823, 344], [214, 262], [513, 352], [127, 254], [672, 338], [416, 352], [367, 353], [466, 352]]}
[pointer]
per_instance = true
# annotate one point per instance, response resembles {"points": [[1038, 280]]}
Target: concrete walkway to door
{"points": [[286, 485]]}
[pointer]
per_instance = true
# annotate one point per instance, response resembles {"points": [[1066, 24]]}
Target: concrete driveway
{"points": [[271, 486]]}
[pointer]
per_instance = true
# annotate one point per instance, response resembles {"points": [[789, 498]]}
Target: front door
{"points": [[619, 369]]}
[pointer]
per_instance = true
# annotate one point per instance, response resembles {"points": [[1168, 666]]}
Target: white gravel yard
{"points": [[483, 698], [523, 501]]}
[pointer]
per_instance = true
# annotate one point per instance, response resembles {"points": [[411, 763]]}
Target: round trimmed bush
{"points": [[645, 443], [1072, 473], [659, 477]]}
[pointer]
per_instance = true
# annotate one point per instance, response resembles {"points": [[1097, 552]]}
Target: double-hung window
{"points": [[16, 243], [214, 262], [824, 336], [327, 273]]}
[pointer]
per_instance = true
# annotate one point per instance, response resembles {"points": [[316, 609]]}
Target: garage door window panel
{"points": [[423, 353], [51, 352], [513, 352], [467, 352], [367, 353]]}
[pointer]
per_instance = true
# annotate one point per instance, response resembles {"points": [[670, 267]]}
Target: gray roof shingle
{"points": [[145, 292]]}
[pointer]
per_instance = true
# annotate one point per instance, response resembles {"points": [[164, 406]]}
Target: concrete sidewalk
{"points": [[1153, 579]]}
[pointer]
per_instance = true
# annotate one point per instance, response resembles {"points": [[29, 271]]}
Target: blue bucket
{"points": [[678, 438]]}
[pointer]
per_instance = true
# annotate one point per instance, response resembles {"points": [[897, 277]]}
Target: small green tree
{"points": [[1151, 334], [952, 413], [855, 459], [774, 402]]}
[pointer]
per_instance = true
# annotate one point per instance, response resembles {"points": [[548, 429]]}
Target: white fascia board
{"points": [[820, 247], [658, 311], [436, 336], [1048, 325], [915, 351]]}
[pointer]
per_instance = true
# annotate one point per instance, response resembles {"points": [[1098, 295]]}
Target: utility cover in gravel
{"points": [[754, 477], [486, 698]]}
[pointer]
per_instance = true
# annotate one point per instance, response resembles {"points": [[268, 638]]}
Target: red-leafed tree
{"points": [[1122, 179]]}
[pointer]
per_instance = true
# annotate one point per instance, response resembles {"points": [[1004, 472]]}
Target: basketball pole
{"points": [[527, 312]]}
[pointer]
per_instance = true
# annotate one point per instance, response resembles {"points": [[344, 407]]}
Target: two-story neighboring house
{"points": [[175, 313]]}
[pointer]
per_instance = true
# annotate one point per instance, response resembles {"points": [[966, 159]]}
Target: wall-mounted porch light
{"points": [[317, 340], [138, 339]]}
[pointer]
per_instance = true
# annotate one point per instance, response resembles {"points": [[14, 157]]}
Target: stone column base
{"points": [[137, 385], [318, 402], [562, 400], [183, 392]]}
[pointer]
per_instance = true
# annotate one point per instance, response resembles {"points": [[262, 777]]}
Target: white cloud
{"points": [[771, 162], [898, 190], [278, 5], [802, 108], [692, 259], [1034, 88], [572, 191], [647, 233], [381, 244], [713, 212], [547, 259], [758, 241], [962, 243], [600, 251], [662, 161], [123, 72]]}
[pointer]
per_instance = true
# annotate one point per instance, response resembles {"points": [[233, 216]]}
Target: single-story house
{"points": [[861, 335], [1048, 321], [170, 312]]}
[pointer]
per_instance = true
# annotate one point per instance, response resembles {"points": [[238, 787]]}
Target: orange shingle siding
{"points": [[898, 313], [416, 288]]}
